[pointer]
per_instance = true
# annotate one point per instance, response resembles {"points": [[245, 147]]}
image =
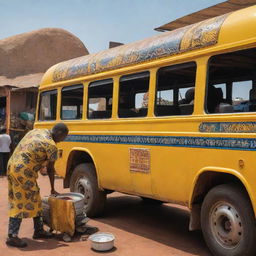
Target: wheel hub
{"points": [[83, 186], [226, 225]]}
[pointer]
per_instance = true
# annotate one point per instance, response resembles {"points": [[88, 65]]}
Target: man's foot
{"points": [[43, 235], [16, 242]]}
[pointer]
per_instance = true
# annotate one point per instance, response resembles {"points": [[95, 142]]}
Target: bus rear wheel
{"points": [[228, 222], [84, 181]]}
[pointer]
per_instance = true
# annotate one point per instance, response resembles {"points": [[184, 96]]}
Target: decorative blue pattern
{"points": [[169, 141], [228, 127], [195, 36]]}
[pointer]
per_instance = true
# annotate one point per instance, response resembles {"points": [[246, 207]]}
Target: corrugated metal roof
{"points": [[216, 10]]}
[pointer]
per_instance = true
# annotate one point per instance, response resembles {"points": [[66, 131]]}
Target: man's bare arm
{"points": [[51, 173]]}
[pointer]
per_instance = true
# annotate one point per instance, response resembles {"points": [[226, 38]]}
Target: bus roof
{"points": [[207, 13], [228, 28]]}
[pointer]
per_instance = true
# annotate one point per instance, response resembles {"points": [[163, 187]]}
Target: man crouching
{"points": [[35, 150]]}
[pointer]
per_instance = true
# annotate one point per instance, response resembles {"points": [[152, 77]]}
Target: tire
{"points": [[147, 200], [228, 221], [84, 181]]}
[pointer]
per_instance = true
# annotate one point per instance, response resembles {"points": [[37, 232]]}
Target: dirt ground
{"points": [[140, 229]]}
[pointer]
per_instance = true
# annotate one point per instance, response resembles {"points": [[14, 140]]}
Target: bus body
{"points": [[171, 118]]}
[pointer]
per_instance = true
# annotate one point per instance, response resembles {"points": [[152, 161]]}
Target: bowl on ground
{"points": [[102, 241]]}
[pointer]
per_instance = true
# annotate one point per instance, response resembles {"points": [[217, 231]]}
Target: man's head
{"points": [[189, 95], [59, 132]]}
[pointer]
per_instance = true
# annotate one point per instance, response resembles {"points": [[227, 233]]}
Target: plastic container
{"points": [[27, 116]]}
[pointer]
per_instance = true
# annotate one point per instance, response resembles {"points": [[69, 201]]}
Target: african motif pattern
{"points": [[14, 225], [198, 35], [34, 151]]}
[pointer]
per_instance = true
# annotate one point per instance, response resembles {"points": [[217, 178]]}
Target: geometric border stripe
{"points": [[169, 141]]}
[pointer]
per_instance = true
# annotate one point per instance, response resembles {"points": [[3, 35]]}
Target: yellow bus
{"points": [[171, 118]]}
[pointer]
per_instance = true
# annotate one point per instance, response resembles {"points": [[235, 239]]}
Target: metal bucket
{"points": [[78, 200]]}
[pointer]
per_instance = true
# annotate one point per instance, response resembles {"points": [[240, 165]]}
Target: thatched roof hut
{"points": [[25, 57], [23, 60]]}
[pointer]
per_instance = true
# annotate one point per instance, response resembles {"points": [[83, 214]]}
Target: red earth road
{"points": [[140, 230]]}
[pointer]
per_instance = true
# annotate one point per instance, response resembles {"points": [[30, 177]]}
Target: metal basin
{"points": [[102, 241], [78, 200]]}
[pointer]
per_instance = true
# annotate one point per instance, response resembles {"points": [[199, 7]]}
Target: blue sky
{"points": [[95, 22]]}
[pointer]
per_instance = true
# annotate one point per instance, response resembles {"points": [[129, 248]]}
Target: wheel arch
{"points": [[77, 156], [206, 179]]}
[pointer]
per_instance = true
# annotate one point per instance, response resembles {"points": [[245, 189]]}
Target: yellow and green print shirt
{"points": [[33, 152]]}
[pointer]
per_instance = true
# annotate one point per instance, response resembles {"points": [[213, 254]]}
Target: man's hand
{"points": [[54, 192]]}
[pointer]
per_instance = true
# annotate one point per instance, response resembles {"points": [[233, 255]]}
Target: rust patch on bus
{"points": [[140, 160]]}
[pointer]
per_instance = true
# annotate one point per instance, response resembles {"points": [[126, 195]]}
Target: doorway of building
{"points": [[2, 112]]}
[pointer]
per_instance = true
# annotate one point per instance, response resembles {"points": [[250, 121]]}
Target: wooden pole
{"points": [[8, 110]]}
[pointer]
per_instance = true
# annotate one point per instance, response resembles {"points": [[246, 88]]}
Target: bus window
{"points": [[72, 102], [175, 90], [164, 97], [223, 88], [133, 95], [48, 105], [241, 96], [100, 95], [235, 72]]}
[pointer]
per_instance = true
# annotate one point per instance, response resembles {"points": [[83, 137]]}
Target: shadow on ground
{"points": [[162, 223], [48, 244]]}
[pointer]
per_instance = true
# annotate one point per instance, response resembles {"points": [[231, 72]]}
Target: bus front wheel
{"points": [[228, 222], [84, 181]]}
